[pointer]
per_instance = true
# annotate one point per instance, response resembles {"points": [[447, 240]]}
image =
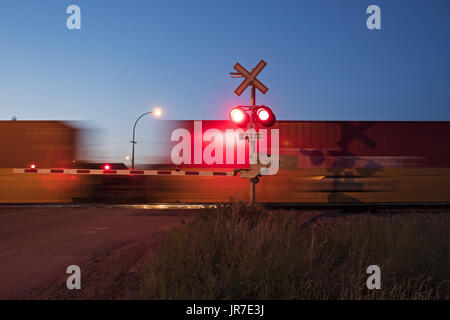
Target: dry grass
{"points": [[237, 252]]}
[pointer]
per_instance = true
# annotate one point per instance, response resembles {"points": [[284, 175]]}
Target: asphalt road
{"points": [[110, 245]]}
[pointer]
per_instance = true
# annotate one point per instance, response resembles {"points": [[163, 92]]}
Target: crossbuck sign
{"points": [[250, 78]]}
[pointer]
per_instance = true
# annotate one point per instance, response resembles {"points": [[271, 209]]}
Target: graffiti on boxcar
{"points": [[344, 173]]}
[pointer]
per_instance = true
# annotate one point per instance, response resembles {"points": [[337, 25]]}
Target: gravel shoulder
{"points": [[110, 245]]}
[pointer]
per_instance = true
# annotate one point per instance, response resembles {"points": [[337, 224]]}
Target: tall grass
{"points": [[240, 252]]}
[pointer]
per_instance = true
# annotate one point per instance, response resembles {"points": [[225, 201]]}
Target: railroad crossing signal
{"points": [[260, 114], [250, 77]]}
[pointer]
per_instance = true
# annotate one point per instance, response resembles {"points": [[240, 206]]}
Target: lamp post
{"points": [[157, 113]]}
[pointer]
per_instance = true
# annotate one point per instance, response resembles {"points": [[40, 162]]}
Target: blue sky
{"points": [[129, 56]]}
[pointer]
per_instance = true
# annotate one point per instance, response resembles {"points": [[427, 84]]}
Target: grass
{"points": [[240, 252]]}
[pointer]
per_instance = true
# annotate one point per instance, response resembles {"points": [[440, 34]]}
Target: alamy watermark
{"points": [[74, 20], [374, 20], [374, 280], [74, 280], [222, 146]]}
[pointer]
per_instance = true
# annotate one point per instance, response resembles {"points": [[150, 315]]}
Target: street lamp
{"points": [[157, 112]]}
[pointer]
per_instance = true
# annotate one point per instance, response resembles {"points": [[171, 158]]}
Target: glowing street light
{"points": [[157, 112]]}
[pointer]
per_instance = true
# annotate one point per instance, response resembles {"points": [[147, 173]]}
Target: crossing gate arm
{"points": [[127, 172]]}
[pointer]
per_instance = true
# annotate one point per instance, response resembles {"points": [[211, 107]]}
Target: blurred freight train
{"points": [[320, 162]]}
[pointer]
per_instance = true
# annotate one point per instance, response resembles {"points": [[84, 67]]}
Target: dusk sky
{"points": [[130, 56]]}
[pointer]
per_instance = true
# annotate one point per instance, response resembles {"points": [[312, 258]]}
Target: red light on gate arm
{"points": [[106, 167], [32, 166], [265, 116], [240, 117]]}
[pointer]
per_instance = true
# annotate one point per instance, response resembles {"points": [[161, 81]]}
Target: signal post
{"points": [[262, 114]]}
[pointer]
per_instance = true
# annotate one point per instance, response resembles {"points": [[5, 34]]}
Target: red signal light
{"points": [[237, 115], [262, 114], [106, 167], [240, 117], [265, 116], [32, 166]]}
